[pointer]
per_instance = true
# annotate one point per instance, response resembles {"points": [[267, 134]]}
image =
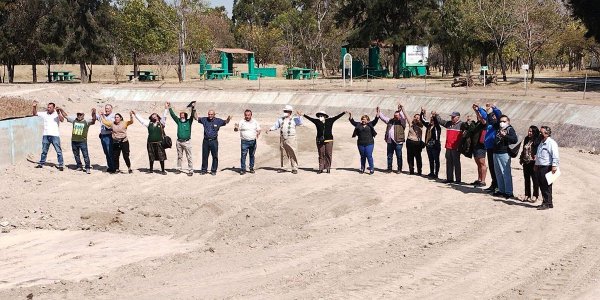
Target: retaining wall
{"points": [[19, 138], [572, 124]]}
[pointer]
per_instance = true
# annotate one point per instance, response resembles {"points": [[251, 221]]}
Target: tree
{"points": [[143, 30], [499, 22], [539, 21], [393, 22], [589, 13]]}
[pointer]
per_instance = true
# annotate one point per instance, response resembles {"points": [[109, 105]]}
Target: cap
{"points": [[288, 108], [455, 114]]}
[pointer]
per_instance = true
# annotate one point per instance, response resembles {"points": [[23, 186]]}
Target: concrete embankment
{"points": [[19, 138], [574, 125]]}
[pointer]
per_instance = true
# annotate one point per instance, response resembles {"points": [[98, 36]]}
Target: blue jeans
{"points": [[210, 147], [248, 147], [55, 141], [106, 140], [391, 148], [503, 173], [366, 154], [83, 147]]}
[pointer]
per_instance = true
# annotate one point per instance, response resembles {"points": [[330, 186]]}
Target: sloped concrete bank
{"points": [[19, 138], [573, 125]]}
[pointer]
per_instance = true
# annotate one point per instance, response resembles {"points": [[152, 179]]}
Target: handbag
{"points": [[166, 142]]}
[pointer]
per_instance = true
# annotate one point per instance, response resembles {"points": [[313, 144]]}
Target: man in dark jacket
{"points": [[394, 137], [505, 136]]}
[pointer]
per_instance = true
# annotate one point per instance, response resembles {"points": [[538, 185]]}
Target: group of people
{"points": [[489, 134]]}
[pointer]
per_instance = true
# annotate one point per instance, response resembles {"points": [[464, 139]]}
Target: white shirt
{"points": [[547, 153], [50, 123], [248, 129]]}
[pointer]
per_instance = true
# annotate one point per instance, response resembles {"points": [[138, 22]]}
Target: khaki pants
{"points": [[187, 147], [288, 148]]}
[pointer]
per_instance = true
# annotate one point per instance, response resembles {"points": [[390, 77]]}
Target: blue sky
{"points": [[227, 3]]}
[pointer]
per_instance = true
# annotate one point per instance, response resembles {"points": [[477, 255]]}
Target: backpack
{"points": [[513, 149]]}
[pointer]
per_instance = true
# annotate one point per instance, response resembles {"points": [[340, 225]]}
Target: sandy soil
{"points": [[270, 235]]}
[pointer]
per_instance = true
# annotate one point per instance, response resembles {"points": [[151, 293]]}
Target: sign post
{"points": [[484, 69], [347, 65], [526, 69]]}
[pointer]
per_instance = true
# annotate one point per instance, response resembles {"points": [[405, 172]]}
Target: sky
{"points": [[227, 3]]}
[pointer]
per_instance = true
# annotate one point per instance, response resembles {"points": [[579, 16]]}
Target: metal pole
{"points": [[585, 85], [344, 71], [526, 76], [468, 79], [484, 78], [259, 76], [367, 79], [426, 83]]}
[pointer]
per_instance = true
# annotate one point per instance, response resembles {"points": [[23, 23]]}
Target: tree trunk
{"points": [[11, 71], [502, 63], [484, 56], [90, 74], [83, 72], [34, 70], [323, 65], [136, 70], [48, 71], [396, 54], [532, 67], [455, 64]]}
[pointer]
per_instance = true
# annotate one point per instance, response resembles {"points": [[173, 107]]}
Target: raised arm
{"points": [[298, 118], [382, 117], [93, 117], [276, 126], [106, 122], [423, 118], [163, 120], [34, 110], [403, 115], [172, 113], [338, 116], [313, 120], [61, 114], [143, 122]]}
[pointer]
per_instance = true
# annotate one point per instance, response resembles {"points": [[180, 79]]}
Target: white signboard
{"points": [[417, 55], [347, 61], [525, 67], [347, 65], [484, 68]]}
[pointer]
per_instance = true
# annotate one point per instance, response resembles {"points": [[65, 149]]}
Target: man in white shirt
{"points": [[288, 145], [51, 134], [546, 160], [249, 131]]}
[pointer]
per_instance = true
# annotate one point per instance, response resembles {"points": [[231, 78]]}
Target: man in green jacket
{"points": [[184, 133]]}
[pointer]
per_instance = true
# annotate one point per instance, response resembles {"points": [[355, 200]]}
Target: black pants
{"points": [[433, 153], [490, 159], [530, 177], [210, 147], [119, 147], [413, 151], [545, 188]]}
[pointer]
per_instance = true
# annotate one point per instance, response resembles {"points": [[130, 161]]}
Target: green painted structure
{"points": [[408, 71], [227, 70], [374, 66]]}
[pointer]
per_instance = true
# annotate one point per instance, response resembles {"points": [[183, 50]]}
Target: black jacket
{"points": [[324, 130], [502, 142], [365, 137]]}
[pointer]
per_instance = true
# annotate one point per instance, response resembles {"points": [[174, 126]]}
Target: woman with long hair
{"points": [[527, 160]]}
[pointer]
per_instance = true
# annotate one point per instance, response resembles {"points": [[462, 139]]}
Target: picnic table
{"points": [[217, 73], [300, 73], [62, 76], [143, 75]]}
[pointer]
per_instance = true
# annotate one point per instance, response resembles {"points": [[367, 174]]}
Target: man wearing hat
{"points": [[324, 138], [184, 134], [288, 145], [79, 137], [453, 136]]}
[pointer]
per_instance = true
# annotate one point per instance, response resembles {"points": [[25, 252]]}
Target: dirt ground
{"points": [[270, 235]]}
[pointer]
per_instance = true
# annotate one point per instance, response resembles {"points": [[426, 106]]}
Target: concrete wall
{"points": [[19, 138], [572, 124]]}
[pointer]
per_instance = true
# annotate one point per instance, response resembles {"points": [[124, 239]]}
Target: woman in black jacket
{"points": [[324, 138], [365, 133], [505, 136], [527, 160], [432, 143]]}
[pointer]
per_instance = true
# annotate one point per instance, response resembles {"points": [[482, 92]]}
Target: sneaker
{"points": [[498, 194], [242, 172], [163, 173], [509, 196], [398, 171], [203, 173], [251, 171], [88, 171], [130, 171], [476, 183], [448, 181], [213, 173], [543, 207], [38, 167], [281, 171], [61, 168], [320, 171], [361, 171], [371, 172], [79, 168], [294, 171], [491, 188], [328, 171]]}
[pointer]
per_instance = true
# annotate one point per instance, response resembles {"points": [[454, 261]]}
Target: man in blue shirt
{"points": [[210, 144]]}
